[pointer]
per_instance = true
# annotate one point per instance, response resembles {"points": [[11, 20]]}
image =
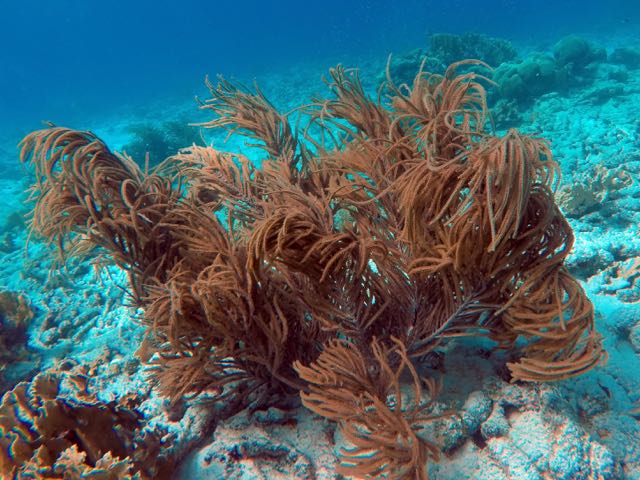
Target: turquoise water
{"points": [[80, 344], [69, 60]]}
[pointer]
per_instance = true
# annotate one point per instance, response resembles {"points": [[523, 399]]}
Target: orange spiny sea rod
{"points": [[372, 232]]}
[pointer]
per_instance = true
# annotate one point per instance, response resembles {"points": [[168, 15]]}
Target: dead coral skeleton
{"points": [[372, 232], [592, 191]]}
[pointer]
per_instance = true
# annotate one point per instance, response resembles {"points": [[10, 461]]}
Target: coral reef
{"points": [[160, 141], [593, 190], [269, 444], [572, 63], [501, 430], [627, 56], [370, 236], [576, 54], [14, 224], [622, 278], [15, 308], [15, 313], [529, 78], [52, 428], [450, 48], [444, 49]]}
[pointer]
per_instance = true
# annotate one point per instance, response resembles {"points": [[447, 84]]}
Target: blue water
{"points": [[69, 60]]}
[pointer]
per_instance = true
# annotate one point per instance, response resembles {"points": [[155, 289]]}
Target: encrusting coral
{"points": [[47, 434], [372, 232], [590, 191]]}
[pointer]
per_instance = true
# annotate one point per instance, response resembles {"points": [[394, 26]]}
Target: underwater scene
{"points": [[288, 240]]}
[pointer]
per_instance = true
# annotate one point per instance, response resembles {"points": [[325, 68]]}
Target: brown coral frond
{"points": [[377, 418], [365, 118], [218, 179], [94, 199], [445, 112], [558, 319], [253, 115]]}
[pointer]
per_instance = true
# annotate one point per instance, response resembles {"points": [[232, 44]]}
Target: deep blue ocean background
{"points": [[69, 60]]}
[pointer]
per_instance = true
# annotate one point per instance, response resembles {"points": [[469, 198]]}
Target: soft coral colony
{"points": [[372, 232]]}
